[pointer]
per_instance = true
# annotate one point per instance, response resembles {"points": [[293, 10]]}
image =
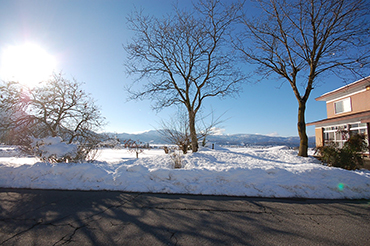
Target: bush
{"points": [[356, 143], [176, 160], [349, 157]]}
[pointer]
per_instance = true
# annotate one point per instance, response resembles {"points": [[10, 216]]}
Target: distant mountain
{"points": [[154, 137], [257, 139], [151, 136]]}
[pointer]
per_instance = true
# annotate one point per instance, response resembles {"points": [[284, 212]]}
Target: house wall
{"points": [[319, 136], [368, 138], [359, 102]]}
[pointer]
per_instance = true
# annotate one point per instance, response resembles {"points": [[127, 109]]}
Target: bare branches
{"points": [[135, 146], [309, 38], [58, 107], [177, 130], [63, 108], [186, 56], [299, 40]]}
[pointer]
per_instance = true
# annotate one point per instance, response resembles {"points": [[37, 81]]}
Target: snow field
{"points": [[260, 172]]}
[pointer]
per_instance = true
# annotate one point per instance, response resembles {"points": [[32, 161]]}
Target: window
{"points": [[343, 106], [339, 134]]}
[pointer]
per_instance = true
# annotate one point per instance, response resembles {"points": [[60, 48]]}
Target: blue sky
{"points": [[86, 38]]}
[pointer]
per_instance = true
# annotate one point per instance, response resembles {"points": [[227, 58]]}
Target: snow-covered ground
{"points": [[262, 172]]}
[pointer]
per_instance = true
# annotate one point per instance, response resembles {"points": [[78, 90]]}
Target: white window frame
{"points": [[347, 106], [334, 129]]}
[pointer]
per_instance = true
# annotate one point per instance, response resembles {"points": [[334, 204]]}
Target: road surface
{"points": [[51, 217]]}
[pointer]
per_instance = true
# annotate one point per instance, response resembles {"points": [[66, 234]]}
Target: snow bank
{"points": [[270, 172], [54, 147]]}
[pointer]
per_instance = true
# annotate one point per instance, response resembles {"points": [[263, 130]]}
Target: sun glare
{"points": [[28, 64]]}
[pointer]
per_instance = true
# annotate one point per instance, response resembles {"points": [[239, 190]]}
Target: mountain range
{"points": [[153, 137]]}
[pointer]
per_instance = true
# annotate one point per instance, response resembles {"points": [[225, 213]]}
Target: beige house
{"points": [[348, 112]]}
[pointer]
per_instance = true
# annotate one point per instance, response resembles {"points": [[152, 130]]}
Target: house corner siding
{"points": [[368, 137], [359, 103], [319, 136]]}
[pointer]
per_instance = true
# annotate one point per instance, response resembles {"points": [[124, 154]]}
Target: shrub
{"points": [[349, 157], [176, 159], [356, 143], [52, 149]]}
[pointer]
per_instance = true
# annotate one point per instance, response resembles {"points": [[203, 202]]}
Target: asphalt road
{"points": [[50, 217]]}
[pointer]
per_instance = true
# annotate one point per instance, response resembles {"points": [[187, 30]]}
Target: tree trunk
{"points": [[193, 133], [184, 148], [54, 132], [303, 144]]}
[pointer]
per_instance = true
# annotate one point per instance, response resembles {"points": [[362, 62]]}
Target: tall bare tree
{"points": [[299, 40], [185, 57]]}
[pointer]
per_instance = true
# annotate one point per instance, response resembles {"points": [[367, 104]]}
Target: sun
{"points": [[28, 64]]}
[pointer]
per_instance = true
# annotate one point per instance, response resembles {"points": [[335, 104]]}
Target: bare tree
{"points": [[299, 40], [65, 110], [57, 107], [135, 146], [186, 57]]}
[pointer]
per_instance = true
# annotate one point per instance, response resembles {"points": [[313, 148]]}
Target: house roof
{"points": [[363, 117], [356, 86]]}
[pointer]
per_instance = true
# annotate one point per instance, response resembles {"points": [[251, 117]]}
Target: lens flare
{"points": [[340, 186]]}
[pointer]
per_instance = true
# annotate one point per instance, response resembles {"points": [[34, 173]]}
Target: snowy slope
{"points": [[262, 172]]}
